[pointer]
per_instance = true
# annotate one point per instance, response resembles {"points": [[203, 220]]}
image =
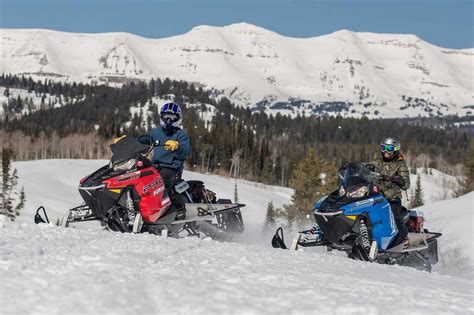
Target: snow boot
{"points": [[180, 208]]}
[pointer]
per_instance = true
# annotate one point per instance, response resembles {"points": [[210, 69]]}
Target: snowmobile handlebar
{"points": [[148, 140]]}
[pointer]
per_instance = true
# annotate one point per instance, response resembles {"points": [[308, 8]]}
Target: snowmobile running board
{"points": [[199, 212], [194, 212]]}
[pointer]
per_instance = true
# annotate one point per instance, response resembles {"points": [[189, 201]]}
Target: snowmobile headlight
{"points": [[358, 193], [125, 165]]}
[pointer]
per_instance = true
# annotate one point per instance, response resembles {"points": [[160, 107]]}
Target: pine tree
{"points": [[8, 189], [271, 214], [417, 200], [469, 168], [312, 178], [267, 172], [236, 193]]}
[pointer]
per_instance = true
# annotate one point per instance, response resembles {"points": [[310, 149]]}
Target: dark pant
{"points": [[170, 178], [398, 212]]}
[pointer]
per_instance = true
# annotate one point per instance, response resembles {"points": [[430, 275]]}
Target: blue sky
{"points": [[444, 23]]}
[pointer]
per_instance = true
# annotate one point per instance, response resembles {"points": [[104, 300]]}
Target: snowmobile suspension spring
{"points": [[130, 208], [364, 234]]}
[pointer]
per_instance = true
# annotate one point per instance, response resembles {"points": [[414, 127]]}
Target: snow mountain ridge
{"points": [[347, 73]]}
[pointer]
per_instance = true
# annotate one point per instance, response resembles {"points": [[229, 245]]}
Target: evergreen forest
{"points": [[236, 141]]}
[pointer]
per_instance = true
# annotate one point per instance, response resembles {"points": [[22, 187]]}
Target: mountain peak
{"points": [[240, 28], [348, 35], [346, 72]]}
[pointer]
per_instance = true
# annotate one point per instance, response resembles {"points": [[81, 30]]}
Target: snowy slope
{"points": [[32, 102], [206, 112], [50, 270], [377, 75], [435, 185], [455, 219]]}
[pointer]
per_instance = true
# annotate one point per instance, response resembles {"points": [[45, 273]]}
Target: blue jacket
{"points": [[162, 157]]}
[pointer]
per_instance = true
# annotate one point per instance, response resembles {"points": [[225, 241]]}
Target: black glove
{"points": [[399, 180], [371, 167], [385, 178], [148, 140]]}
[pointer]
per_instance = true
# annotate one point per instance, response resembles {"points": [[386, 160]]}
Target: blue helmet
{"points": [[170, 115]]}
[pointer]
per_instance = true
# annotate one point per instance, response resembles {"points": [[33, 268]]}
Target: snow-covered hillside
{"points": [[455, 219], [435, 185], [30, 101], [50, 270], [377, 75]]}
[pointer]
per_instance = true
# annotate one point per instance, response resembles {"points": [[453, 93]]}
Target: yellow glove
{"points": [[171, 145], [119, 138]]}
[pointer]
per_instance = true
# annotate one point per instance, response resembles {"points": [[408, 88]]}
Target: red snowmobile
{"points": [[128, 195]]}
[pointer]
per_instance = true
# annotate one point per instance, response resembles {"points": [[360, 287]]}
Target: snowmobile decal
{"points": [[363, 202], [129, 176], [153, 184], [158, 190]]}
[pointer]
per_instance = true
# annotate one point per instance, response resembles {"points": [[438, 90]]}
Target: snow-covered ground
{"points": [[50, 270], [45, 269], [455, 219], [435, 185]]}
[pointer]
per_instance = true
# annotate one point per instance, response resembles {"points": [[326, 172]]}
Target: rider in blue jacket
{"points": [[171, 150]]}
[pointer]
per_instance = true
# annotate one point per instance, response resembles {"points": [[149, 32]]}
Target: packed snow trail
{"points": [[50, 270]]}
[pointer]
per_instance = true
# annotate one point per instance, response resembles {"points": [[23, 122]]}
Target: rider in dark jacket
{"points": [[171, 150], [395, 178]]}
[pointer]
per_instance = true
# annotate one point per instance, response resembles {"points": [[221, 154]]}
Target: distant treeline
{"points": [[241, 143]]}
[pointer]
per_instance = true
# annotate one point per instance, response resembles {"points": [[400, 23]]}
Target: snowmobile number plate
{"points": [[181, 187]]}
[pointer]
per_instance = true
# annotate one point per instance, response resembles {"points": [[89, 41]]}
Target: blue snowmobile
{"points": [[357, 219]]}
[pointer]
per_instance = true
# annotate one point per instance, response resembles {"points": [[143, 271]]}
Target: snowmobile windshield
{"points": [[127, 148], [357, 175]]}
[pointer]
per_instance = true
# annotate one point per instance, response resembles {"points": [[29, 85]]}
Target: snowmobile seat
{"points": [[199, 193]]}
